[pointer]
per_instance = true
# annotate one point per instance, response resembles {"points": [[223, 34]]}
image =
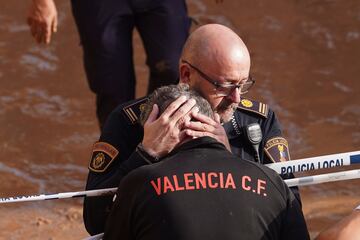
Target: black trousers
{"points": [[106, 28]]}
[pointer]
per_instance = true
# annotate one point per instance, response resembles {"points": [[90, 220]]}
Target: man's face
{"points": [[217, 83]]}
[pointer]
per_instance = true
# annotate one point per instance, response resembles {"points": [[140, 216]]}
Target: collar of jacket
{"points": [[202, 142]]}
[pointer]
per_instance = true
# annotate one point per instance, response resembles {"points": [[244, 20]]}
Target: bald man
{"points": [[216, 63]]}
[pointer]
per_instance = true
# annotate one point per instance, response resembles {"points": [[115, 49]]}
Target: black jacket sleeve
{"points": [[294, 225], [272, 128], [119, 223], [292, 221], [123, 136]]}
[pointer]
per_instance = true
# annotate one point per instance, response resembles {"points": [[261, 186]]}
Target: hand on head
{"points": [[184, 115], [202, 126], [163, 133], [179, 121]]}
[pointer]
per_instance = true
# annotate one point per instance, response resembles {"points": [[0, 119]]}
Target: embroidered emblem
{"points": [[253, 106], [134, 110], [246, 103], [103, 155], [142, 107], [99, 160], [277, 149], [282, 153]]}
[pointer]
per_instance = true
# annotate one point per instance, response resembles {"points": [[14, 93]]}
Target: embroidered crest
{"points": [[103, 155], [254, 106], [142, 107], [246, 103], [134, 110], [99, 160], [277, 149]]}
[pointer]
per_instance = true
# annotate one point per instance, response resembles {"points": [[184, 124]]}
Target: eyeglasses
{"points": [[224, 89]]}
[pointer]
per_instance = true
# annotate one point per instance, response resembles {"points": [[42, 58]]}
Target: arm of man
{"points": [[114, 156], [275, 148], [42, 20], [112, 159], [348, 228]]}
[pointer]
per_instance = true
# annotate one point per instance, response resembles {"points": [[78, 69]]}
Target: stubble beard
{"points": [[226, 110]]}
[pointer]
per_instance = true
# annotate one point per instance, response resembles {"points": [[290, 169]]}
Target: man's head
{"points": [[214, 62], [163, 96]]}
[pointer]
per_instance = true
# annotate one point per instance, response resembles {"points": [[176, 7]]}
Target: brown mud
{"points": [[305, 57]]}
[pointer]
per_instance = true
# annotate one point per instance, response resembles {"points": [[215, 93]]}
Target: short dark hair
{"points": [[163, 96]]}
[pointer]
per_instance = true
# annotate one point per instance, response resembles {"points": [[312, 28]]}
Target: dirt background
{"points": [[305, 57]]}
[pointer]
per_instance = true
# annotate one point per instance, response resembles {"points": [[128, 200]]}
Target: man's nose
{"points": [[235, 95]]}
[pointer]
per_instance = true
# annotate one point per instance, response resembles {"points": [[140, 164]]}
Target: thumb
{"points": [[54, 25], [48, 34], [153, 114], [217, 117]]}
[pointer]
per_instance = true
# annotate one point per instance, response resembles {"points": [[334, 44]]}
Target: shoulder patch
{"points": [[277, 149], [102, 156], [134, 109], [254, 106]]}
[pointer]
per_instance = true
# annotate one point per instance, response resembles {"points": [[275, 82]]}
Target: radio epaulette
{"points": [[254, 106], [134, 109]]}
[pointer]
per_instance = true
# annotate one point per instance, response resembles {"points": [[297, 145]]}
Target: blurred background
{"points": [[305, 58]]}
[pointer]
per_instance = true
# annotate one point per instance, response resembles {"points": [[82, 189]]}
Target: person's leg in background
{"points": [[164, 27], [105, 29]]}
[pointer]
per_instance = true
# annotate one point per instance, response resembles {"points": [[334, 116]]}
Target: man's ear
{"points": [[184, 72]]}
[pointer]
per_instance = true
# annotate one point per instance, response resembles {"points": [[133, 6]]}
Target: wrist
{"points": [[146, 154], [149, 149]]}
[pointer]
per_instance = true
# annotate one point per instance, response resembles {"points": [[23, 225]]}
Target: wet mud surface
{"points": [[305, 58]]}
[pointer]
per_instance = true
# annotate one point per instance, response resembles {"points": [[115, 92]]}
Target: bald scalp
{"points": [[215, 43]]}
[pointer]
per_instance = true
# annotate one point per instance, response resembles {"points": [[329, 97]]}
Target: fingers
{"points": [[32, 29], [184, 110], [50, 29], [38, 35], [183, 121], [173, 107], [54, 25], [42, 29], [183, 136], [217, 118], [202, 118], [47, 34], [153, 114], [36, 30], [197, 134], [199, 126], [178, 109]]}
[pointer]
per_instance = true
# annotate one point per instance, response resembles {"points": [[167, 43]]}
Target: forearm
{"points": [[346, 229]]}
